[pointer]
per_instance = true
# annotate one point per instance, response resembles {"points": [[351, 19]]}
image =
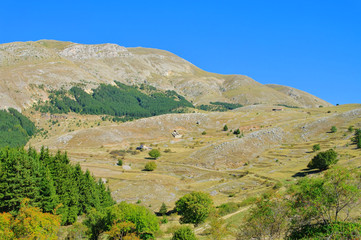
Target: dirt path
{"points": [[206, 226]]}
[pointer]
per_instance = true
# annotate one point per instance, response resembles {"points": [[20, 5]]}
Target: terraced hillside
{"points": [[276, 146]]}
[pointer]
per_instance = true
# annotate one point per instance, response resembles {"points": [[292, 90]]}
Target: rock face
{"points": [[29, 69]]}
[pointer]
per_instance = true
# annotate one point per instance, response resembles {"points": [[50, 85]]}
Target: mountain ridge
{"points": [[29, 69]]}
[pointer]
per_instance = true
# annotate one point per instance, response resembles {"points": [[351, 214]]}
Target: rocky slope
{"points": [[29, 69]]}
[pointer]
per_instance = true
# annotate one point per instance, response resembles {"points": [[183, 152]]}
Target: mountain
{"points": [[29, 69]]}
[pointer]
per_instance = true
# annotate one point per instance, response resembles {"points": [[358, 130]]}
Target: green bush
{"points": [[184, 233], [154, 153], [150, 166], [225, 127], [316, 147], [323, 160], [120, 162], [204, 133], [335, 230], [194, 207], [333, 129]]}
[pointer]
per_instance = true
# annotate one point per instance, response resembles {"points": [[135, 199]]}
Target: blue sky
{"points": [[313, 45]]}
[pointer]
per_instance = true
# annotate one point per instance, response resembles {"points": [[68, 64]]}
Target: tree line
{"points": [[15, 128], [49, 182], [219, 106], [119, 101]]}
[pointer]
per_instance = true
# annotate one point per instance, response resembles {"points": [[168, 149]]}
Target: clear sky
{"points": [[312, 45]]}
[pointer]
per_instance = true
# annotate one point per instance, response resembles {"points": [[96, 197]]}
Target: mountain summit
{"points": [[29, 69]]}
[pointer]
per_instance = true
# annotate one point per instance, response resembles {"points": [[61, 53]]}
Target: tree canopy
{"points": [[154, 153], [126, 102], [116, 219], [15, 128], [48, 181], [194, 207], [323, 160]]}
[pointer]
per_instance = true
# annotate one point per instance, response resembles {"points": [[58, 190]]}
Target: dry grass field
{"points": [[275, 147]]}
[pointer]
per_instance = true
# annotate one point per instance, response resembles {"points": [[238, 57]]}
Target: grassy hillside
{"points": [[30, 69]]}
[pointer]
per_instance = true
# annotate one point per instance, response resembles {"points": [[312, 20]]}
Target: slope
{"points": [[29, 69]]}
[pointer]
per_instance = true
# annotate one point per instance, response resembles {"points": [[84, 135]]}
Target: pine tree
{"points": [[163, 209]]}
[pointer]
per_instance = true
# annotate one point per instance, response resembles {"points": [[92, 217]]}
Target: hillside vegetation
{"points": [[50, 182], [15, 128], [120, 101]]}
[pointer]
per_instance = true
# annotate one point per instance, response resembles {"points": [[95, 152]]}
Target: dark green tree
{"points": [[225, 127], [163, 209], [194, 207], [237, 131], [323, 160], [357, 138]]}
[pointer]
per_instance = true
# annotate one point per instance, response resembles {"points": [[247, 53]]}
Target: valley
{"points": [[274, 151]]}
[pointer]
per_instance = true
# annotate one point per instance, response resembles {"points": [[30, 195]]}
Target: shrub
{"points": [[335, 230], [150, 166], [237, 131], [120, 162], [323, 160], [163, 209], [154, 153], [114, 218], [167, 150], [316, 147], [204, 133], [225, 128], [266, 220], [194, 207], [333, 129], [184, 233], [350, 128]]}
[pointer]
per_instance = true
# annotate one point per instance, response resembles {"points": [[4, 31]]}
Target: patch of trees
{"points": [[123, 219], [121, 101], [287, 106], [219, 106], [50, 182], [357, 138], [15, 128], [313, 208], [29, 223]]}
